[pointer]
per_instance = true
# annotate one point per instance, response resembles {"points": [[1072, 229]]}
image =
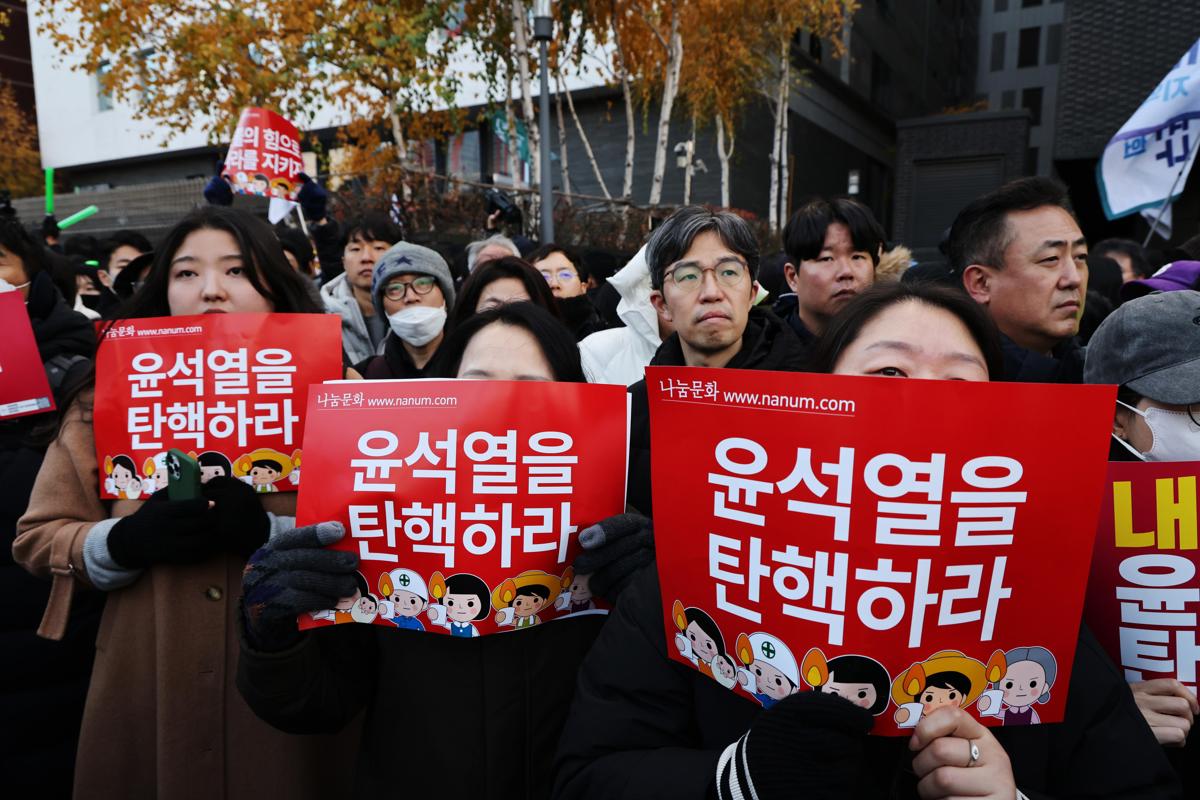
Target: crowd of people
{"points": [[152, 648]]}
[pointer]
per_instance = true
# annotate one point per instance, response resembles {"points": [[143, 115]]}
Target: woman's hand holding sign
{"points": [[957, 756], [1169, 707]]}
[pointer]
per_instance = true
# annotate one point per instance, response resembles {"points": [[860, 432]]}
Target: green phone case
{"points": [[183, 476]]}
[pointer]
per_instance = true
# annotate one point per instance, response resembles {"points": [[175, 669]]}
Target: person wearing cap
{"points": [[412, 289], [1150, 349], [1018, 252], [405, 596], [1174, 277]]}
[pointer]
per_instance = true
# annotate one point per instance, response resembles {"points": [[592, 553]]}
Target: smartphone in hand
{"points": [[183, 476]]}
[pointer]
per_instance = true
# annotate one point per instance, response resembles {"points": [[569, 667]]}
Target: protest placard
{"points": [[229, 389], [24, 388], [907, 544], [264, 157], [462, 499], [1143, 595]]}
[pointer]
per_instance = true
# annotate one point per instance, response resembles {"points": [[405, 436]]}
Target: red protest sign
{"points": [[1144, 594], [264, 157], [905, 543], [462, 498], [228, 388], [24, 388]]}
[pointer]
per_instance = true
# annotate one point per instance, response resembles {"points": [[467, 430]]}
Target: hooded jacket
{"points": [[338, 297], [643, 727], [767, 343], [620, 355], [42, 683]]}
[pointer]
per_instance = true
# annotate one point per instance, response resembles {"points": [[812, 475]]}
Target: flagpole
{"points": [[1187, 157]]}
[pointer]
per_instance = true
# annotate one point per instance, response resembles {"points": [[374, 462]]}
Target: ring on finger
{"points": [[973, 754]]}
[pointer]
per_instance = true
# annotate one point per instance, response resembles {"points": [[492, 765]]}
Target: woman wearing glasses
{"points": [[413, 290], [567, 277]]}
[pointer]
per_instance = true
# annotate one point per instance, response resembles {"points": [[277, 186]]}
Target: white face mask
{"points": [[418, 325], [5, 286], [1176, 435]]}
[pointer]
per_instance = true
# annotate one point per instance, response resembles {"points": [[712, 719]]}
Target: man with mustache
{"points": [[833, 248], [1020, 253]]}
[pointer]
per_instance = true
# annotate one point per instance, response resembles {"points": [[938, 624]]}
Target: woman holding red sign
{"points": [[162, 717], [643, 726], [455, 716]]}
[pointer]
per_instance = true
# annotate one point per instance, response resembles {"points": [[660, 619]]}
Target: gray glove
{"points": [[290, 575], [614, 549]]}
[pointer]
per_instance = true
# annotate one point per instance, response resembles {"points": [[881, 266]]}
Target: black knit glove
{"points": [[165, 531], [290, 575], [807, 745], [614, 549], [242, 524]]}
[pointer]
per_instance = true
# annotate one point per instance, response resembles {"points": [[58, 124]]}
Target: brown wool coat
{"points": [[163, 717]]}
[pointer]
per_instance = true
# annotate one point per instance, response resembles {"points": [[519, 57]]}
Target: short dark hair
{"points": [[556, 341], [18, 241], [949, 680], [572, 255], [980, 233], [295, 242], [266, 268], [466, 583], [373, 227], [1137, 255], [124, 238], [804, 234], [848, 323], [707, 624], [490, 271], [862, 669], [671, 240]]}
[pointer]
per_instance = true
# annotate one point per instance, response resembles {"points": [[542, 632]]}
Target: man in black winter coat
{"points": [[42, 683], [703, 270], [1020, 254]]}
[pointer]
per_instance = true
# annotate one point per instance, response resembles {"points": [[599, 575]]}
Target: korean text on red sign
{"points": [[264, 157], [228, 389], [1144, 592], [24, 388], [463, 499], [905, 543]]}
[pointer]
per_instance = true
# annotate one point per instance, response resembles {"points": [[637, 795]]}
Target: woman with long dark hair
{"points": [[162, 717]]}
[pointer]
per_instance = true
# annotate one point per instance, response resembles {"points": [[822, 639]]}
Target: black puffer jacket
{"points": [[767, 344], [1064, 365], [643, 727], [42, 683]]}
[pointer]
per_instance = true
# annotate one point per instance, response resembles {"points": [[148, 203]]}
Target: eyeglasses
{"points": [[563, 275], [397, 289], [689, 277]]}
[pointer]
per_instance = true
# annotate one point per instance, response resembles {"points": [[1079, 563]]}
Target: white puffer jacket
{"points": [[620, 355]]}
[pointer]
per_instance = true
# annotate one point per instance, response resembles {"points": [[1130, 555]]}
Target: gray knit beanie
{"points": [[405, 257]]}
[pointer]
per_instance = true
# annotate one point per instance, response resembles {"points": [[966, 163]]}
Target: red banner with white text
{"points": [[264, 157], [1144, 592], [907, 544], [228, 389], [463, 499], [24, 388]]}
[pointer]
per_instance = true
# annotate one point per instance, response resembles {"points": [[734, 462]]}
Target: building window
{"points": [[1030, 3], [1001, 6], [1054, 43], [1008, 99], [1031, 100], [1031, 161], [1027, 47], [104, 100], [814, 48], [998, 41]]}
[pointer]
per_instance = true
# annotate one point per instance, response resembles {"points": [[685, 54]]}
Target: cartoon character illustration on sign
{"points": [[280, 188], [947, 678], [576, 596], [405, 596], [122, 480], [155, 470], [348, 609], [771, 672], [518, 600], [261, 186], [699, 640], [263, 468], [462, 600], [861, 680], [1028, 676], [212, 465]]}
